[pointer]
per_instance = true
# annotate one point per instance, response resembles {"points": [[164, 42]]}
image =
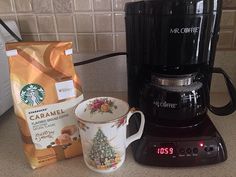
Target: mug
{"points": [[103, 125]]}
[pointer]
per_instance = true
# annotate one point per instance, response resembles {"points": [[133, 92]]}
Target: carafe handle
{"points": [[231, 106]]}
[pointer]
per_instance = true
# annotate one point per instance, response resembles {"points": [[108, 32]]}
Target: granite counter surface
{"points": [[13, 162]]}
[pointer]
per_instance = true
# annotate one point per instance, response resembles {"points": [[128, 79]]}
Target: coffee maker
{"points": [[171, 48]]}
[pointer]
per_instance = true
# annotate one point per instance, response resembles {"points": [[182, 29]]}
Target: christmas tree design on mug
{"points": [[102, 155], [103, 128]]}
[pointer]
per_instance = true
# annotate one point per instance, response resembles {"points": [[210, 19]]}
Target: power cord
{"points": [[10, 31], [75, 64], [99, 58]]}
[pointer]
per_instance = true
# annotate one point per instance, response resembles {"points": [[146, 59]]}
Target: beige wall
{"points": [[93, 25], [228, 28], [98, 26]]}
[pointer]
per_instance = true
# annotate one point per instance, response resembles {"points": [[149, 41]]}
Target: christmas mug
{"points": [[103, 125]]}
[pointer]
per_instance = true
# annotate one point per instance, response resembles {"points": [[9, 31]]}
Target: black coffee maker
{"points": [[171, 48]]}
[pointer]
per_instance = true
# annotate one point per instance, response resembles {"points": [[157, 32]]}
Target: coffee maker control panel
{"points": [[182, 150], [182, 153]]}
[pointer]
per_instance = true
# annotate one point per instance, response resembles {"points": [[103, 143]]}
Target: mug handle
{"points": [[140, 131]]}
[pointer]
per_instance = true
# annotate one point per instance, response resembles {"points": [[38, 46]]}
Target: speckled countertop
{"points": [[13, 162]]}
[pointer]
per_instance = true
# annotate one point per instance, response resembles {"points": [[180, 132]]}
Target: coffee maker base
{"points": [[200, 144]]}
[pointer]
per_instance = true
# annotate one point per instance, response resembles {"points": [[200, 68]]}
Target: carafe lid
{"points": [[173, 80]]}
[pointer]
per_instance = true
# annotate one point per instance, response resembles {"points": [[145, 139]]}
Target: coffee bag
{"points": [[45, 90]]}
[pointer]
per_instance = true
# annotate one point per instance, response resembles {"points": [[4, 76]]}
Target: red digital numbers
{"points": [[165, 150]]}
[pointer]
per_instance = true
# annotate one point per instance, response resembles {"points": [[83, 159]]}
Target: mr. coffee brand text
{"points": [[192, 30], [164, 104]]}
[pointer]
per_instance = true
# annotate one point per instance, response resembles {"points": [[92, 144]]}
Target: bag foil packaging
{"points": [[45, 91]]}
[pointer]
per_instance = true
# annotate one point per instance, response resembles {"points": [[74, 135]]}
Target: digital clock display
{"points": [[165, 150]]}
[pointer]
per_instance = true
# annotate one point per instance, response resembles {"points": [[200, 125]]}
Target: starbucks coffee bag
{"points": [[45, 90]]}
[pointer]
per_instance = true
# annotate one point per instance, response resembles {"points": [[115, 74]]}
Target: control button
{"points": [[195, 150], [208, 149], [189, 151], [181, 151]]}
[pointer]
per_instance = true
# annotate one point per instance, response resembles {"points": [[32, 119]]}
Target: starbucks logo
{"points": [[32, 94]]}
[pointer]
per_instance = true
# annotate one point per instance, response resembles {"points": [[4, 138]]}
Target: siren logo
{"points": [[165, 104], [192, 30], [32, 94]]}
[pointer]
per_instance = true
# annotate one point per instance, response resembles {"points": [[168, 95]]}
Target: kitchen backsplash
{"points": [[98, 26], [93, 25]]}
